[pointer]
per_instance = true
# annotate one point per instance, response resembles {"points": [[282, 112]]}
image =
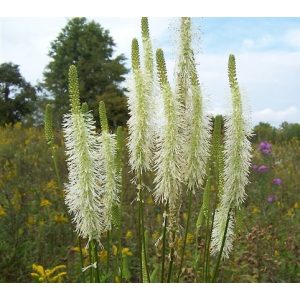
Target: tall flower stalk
{"points": [[237, 155], [196, 122], [168, 156], [83, 191], [110, 175], [141, 133], [49, 135]]}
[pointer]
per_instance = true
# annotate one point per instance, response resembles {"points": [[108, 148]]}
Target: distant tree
{"points": [[17, 96], [90, 48], [264, 131], [289, 131]]}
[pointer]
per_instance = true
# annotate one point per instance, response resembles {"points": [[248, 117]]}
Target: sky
{"points": [[267, 55]]}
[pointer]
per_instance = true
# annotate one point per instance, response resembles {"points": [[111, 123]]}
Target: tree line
{"points": [[90, 47]]}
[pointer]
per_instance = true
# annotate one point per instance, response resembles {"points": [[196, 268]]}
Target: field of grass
{"points": [[38, 244]]}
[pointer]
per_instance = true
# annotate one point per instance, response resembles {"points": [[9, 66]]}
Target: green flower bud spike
{"points": [[84, 108], [74, 89], [48, 124]]}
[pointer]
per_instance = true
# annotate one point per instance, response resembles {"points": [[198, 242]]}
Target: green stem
{"points": [[120, 259], [140, 240], [144, 241], [164, 244], [208, 247], [186, 233], [55, 165], [91, 261], [97, 274], [171, 256], [108, 254], [216, 271], [81, 259], [143, 257]]}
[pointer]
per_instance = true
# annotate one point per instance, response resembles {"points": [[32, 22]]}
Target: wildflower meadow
{"points": [[174, 195]]}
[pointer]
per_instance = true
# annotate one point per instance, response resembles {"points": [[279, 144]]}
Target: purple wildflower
{"points": [[265, 147], [262, 169], [254, 167], [277, 181], [271, 198]]}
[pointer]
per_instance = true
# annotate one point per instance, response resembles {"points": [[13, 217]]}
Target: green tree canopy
{"points": [[17, 96], [264, 131], [90, 48]]}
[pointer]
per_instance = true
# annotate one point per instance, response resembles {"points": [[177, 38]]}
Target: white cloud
{"points": [[276, 117], [267, 79], [259, 43], [292, 38]]}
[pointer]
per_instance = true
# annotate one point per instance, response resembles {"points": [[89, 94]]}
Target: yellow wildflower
{"points": [[45, 203], [60, 218], [114, 250], [290, 212], [31, 220], [159, 219], [189, 238], [103, 255], [41, 222], [155, 235], [150, 200], [51, 186], [16, 200], [2, 212], [276, 253], [126, 252], [255, 210], [77, 249], [129, 235], [18, 125], [47, 275]]}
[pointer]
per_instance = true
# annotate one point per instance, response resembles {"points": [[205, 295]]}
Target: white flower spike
{"points": [[110, 176], [139, 124], [168, 157], [83, 193], [237, 157]]}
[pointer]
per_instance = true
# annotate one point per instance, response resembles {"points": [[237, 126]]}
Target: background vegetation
{"points": [[35, 227]]}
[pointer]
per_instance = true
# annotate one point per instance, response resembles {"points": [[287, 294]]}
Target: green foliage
{"points": [[285, 132], [17, 96], [88, 46], [84, 108], [203, 213], [48, 125], [103, 118]]}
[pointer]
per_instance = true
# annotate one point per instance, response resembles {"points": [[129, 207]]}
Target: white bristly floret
{"points": [[83, 192], [197, 146], [140, 125], [237, 159], [168, 156], [111, 180], [219, 230]]}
